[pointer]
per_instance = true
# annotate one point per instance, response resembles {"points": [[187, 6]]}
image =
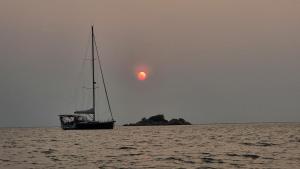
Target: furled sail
{"points": [[88, 111]]}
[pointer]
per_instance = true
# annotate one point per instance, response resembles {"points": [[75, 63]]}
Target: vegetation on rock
{"points": [[158, 120]]}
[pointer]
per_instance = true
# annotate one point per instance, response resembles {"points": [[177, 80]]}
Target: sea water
{"points": [[266, 145]]}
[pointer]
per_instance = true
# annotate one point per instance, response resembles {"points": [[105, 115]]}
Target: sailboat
{"points": [[86, 119]]}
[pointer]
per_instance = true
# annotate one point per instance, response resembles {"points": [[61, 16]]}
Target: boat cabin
{"points": [[71, 120]]}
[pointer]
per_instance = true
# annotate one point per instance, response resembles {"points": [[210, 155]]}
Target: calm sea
{"points": [[271, 145]]}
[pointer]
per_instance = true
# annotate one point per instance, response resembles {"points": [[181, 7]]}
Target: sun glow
{"points": [[141, 76]]}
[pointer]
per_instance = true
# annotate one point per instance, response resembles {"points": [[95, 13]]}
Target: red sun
{"points": [[141, 76]]}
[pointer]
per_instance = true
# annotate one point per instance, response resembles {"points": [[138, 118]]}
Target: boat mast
{"points": [[93, 70]]}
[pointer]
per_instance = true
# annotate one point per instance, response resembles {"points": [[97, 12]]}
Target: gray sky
{"points": [[207, 61]]}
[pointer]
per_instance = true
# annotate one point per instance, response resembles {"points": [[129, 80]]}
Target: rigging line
{"points": [[106, 93]]}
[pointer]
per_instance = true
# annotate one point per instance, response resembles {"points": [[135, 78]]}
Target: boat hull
{"points": [[92, 125]]}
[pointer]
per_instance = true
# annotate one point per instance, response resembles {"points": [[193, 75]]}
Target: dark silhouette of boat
{"points": [[85, 119]]}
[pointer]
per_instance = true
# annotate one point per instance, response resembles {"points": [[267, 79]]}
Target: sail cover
{"points": [[88, 111]]}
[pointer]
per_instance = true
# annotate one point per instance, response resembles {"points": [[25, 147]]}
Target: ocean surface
{"points": [[261, 146]]}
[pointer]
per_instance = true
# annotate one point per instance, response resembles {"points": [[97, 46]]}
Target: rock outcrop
{"points": [[158, 120]]}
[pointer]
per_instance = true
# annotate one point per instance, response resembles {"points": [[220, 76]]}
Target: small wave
{"points": [[135, 154], [268, 158], [262, 144], [142, 141], [232, 154], [49, 151], [4, 160], [211, 160], [179, 159], [253, 156], [205, 167], [110, 156], [127, 148], [55, 159], [237, 165], [207, 154], [295, 140]]}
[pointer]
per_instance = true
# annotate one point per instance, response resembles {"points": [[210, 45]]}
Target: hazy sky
{"points": [[208, 61]]}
